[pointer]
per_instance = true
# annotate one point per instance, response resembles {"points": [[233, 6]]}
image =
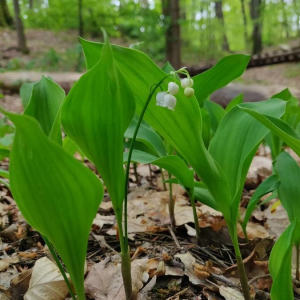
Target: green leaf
{"points": [[56, 194], [173, 164], [95, 115], [234, 102], [280, 263], [267, 186], [202, 194], [226, 70], [167, 68], [71, 148], [216, 113], [4, 173], [44, 105], [236, 141], [182, 128], [278, 127], [288, 172], [147, 136], [283, 95], [25, 92]]}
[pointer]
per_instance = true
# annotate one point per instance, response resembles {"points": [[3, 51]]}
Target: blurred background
{"points": [[39, 36]]}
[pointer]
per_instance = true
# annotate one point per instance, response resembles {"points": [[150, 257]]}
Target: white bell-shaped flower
{"points": [[189, 92], [160, 98], [173, 88], [187, 82], [170, 101]]}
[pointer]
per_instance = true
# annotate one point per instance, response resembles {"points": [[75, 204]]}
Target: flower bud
{"points": [[170, 101], [189, 92], [160, 98], [187, 82], [173, 88]]}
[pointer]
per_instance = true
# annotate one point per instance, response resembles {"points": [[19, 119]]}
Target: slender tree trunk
{"points": [[5, 17], [220, 16], [256, 15], [244, 22], [285, 19], [20, 29], [171, 11], [80, 19], [31, 4]]}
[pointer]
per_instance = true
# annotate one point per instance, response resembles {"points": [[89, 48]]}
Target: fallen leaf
{"points": [[28, 254], [19, 285], [104, 281], [189, 262], [46, 282], [230, 294]]}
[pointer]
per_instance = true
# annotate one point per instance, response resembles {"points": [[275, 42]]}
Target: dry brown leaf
{"points": [[46, 282], [6, 261], [230, 294], [28, 254], [189, 262], [104, 281], [19, 285]]}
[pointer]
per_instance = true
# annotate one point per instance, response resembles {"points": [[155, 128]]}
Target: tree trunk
{"points": [[5, 17], [31, 4], [256, 15], [171, 11], [80, 19], [20, 29], [245, 22], [220, 16]]}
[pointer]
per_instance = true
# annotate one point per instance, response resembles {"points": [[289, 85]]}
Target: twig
{"points": [[177, 294], [174, 237], [258, 277]]}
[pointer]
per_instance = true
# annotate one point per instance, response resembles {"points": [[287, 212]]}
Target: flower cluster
{"points": [[167, 99]]}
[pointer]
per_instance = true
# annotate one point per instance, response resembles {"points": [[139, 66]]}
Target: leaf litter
{"points": [[162, 268]]}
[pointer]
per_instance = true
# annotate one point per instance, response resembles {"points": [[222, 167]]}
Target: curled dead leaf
{"points": [[46, 282]]}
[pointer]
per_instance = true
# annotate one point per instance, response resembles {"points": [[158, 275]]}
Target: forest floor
{"points": [[167, 263]]}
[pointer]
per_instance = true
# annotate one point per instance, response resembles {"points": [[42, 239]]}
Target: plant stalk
{"points": [[197, 228], [125, 258], [241, 268], [61, 269], [136, 174], [171, 204], [163, 178], [297, 261], [130, 154]]}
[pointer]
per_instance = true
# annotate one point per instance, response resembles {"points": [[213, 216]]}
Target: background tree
{"points": [[171, 11], [256, 12], [220, 16], [5, 17], [20, 28]]}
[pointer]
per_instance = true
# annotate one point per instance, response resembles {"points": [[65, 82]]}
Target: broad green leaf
{"points": [[4, 173], [44, 105], [167, 68], [202, 195], [206, 127], [71, 148], [25, 92], [234, 102], [182, 128], [280, 264], [173, 164], [288, 172], [236, 141], [283, 95], [4, 152], [56, 194], [216, 113], [226, 70], [278, 127], [147, 136], [96, 114], [267, 186]]}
